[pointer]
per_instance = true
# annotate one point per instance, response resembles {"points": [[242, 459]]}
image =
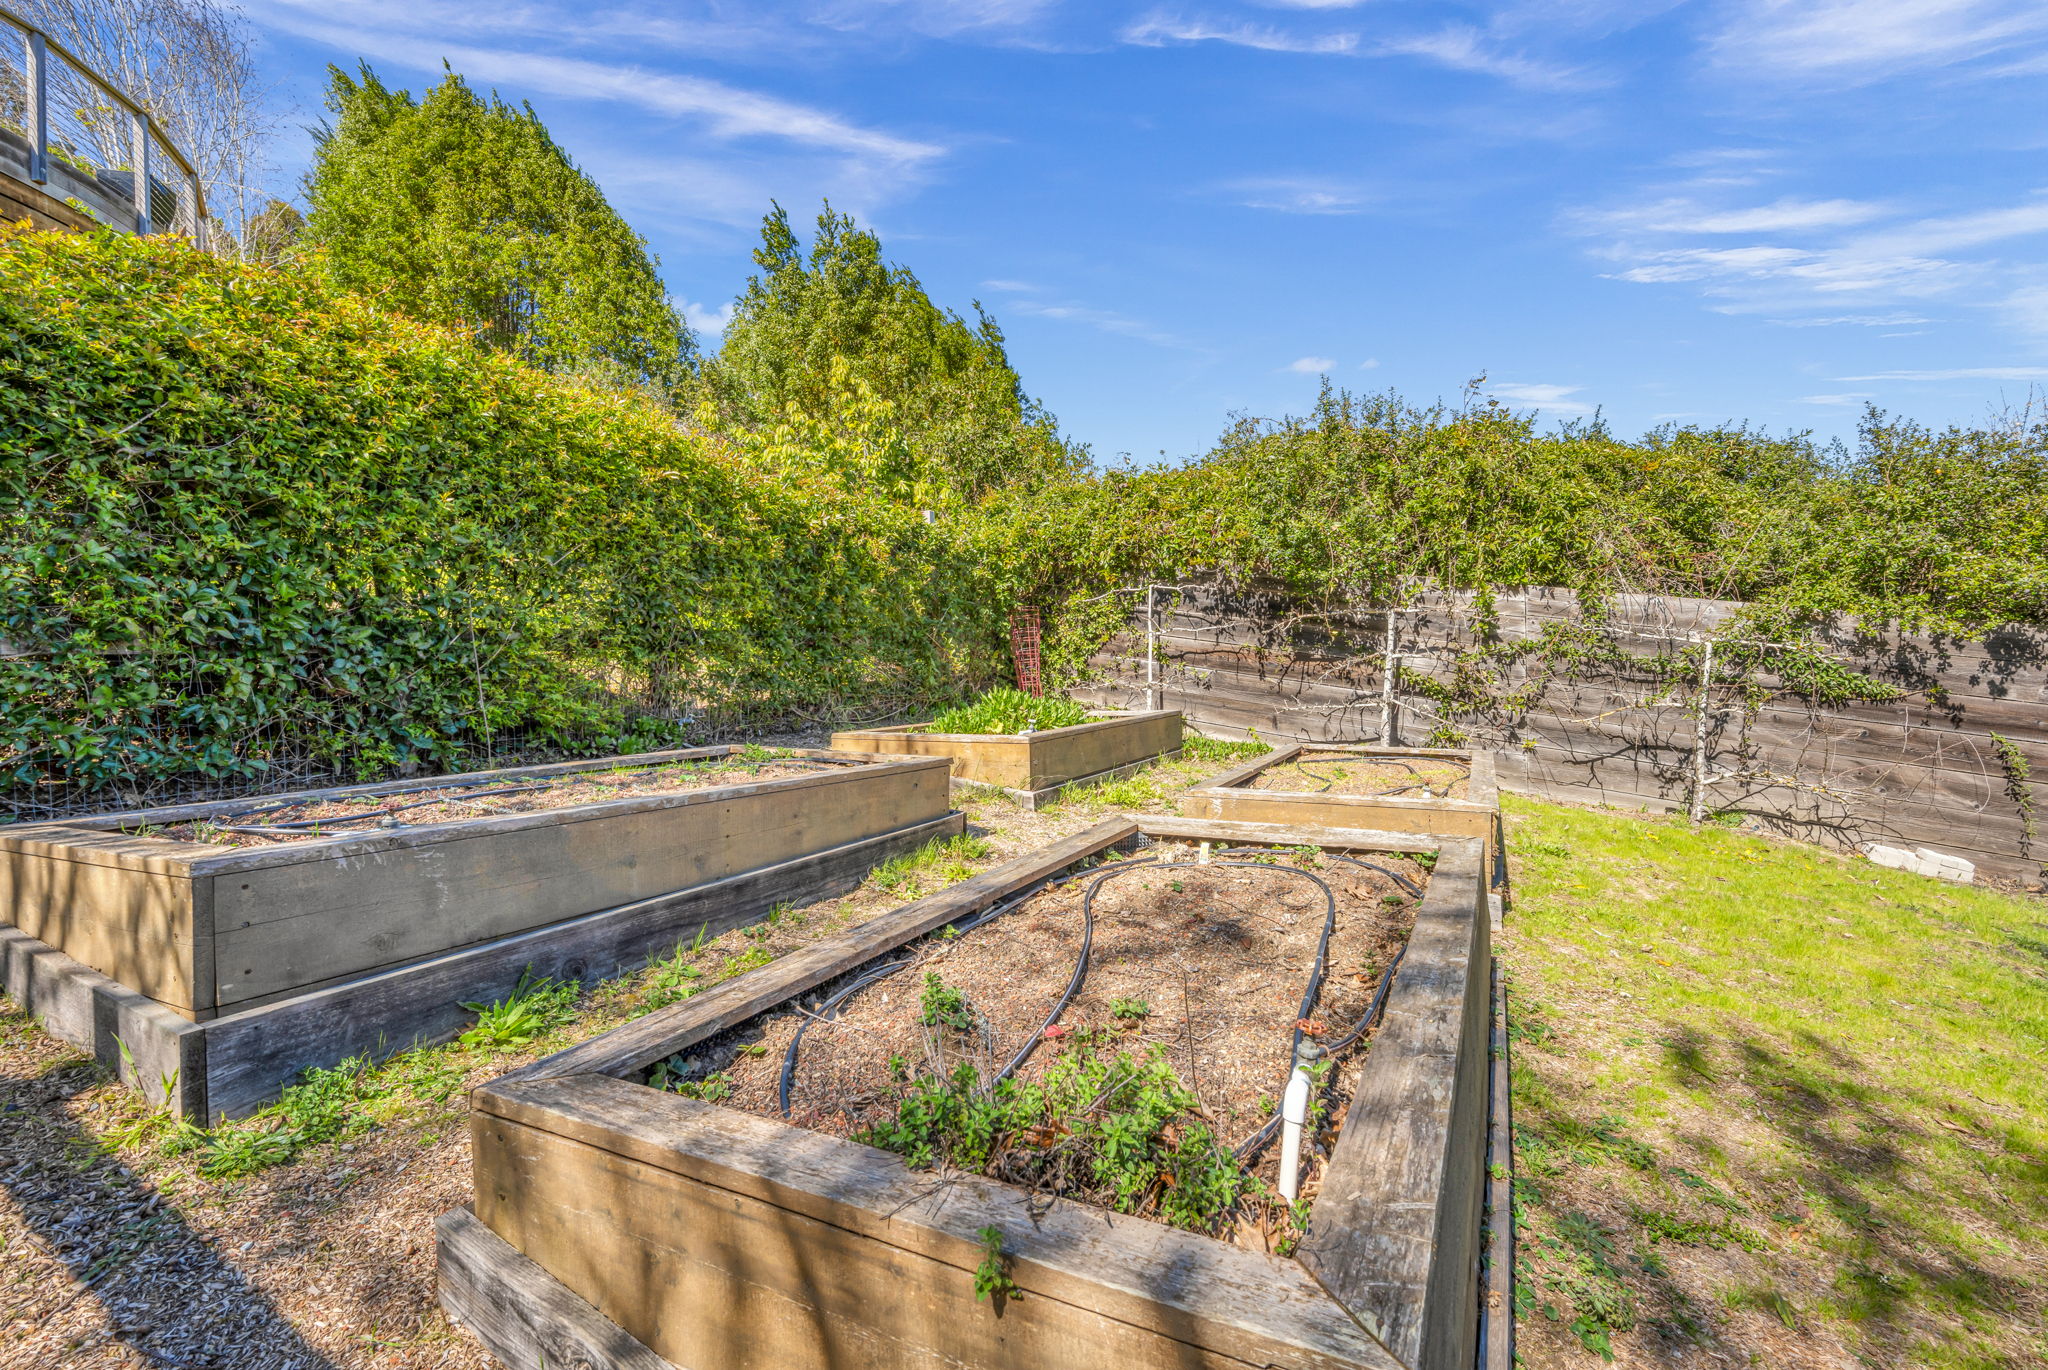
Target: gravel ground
{"points": [[114, 1251]]}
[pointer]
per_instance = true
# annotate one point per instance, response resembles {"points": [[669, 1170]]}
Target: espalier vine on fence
{"points": [[249, 519]]}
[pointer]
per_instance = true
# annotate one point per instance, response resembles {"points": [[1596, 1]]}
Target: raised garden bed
{"points": [[228, 946], [643, 1200], [1034, 767], [1397, 789]]}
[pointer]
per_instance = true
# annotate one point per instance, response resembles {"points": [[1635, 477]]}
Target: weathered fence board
{"points": [[1922, 770]]}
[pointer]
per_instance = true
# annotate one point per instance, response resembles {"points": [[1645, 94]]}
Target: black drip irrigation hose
{"points": [[1403, 881], [1097, 877], [1315, 983], [1252, 1145], [1418, 784], [826, 1009], [824, 1014]]}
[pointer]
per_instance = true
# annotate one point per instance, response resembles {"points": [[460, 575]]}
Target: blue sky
{"points": [[1758, 210]]}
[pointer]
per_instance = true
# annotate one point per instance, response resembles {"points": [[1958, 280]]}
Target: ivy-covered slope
{"points": [[241, 503]]}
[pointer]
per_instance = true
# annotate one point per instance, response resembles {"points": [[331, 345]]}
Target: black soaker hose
{"points": [[1315, 983], [1253, 1144], [881, 973]]}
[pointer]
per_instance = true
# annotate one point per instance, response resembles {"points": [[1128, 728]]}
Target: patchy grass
{"points": [[1772, 1106], [933, 866], [1157, 788]]}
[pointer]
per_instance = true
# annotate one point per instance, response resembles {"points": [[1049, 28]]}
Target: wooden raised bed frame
{"points": [[1033, 768], [616, 1225], [1229, 796], [224, 971]]}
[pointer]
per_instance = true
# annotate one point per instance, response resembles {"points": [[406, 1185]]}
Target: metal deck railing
{"points": [[81, 140]]}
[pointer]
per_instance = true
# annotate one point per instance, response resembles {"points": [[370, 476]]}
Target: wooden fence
{"points": [[1934, 768]]}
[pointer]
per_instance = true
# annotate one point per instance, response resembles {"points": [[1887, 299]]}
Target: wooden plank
{"points": [[721, 1238], [1036, 761], [254, 1053], [137, 926], [1053, 794], [1257, 766], [1497, 1308], [1286, 834], [166, 1057], [526, 1318], [1394, 1233], [283, 929], [639, 1044], [428, 834]]}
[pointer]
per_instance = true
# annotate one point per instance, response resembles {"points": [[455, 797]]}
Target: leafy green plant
{"points": [[1121, 1130], [1006, 709], [991, 1275], [943, 1005], [534, 1007], [1129, 1009]]}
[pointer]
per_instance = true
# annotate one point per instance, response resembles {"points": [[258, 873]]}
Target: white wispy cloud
{"points": [[1157, 30], [1009, 287], [1297, 195], [1310, 366], [1551, 398], [1369, 364], [1854, 41], [1961, 373], [1462, 47], [705, 320], [726, 112], [1104, 320], [1814, 256], [1679, 214], [1852, 321], [1854, 397]]}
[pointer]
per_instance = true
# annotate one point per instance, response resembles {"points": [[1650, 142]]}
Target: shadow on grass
{"points": [[159, 1286], [1854, 1150]]}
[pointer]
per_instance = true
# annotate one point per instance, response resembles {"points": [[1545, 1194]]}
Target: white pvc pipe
{"points": [[1293, 1117]]}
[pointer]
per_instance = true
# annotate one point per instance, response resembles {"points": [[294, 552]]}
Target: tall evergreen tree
{"points": [[809, 325], [464, 211]]}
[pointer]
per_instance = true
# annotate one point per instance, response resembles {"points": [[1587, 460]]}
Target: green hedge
{"points": [[242, 510]]}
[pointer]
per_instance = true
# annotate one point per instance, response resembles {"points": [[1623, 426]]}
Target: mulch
{"points": [[1219, 956], [1348, 773], [301, 820]]}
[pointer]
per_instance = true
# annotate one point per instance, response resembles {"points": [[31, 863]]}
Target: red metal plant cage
{"points": [[1024, 649]]}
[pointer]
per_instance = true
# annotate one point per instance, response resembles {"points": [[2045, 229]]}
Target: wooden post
{"points": [[38, 109], [138, 138], [1391, 665], [1151, 647], [1699, 733]]}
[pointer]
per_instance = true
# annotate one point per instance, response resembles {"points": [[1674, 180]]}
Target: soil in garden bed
{"points": [[1419, 777], [300, 820], [1204, 966]]}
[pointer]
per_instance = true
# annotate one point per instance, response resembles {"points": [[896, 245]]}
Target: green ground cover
{"points": [[1772, 1106]]}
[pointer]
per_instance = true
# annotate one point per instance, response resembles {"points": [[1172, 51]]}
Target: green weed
{"points": [[991, 1276], [938, 863], [944, 1006], [533, 1008]]}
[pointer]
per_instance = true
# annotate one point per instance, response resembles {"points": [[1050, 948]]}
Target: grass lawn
{"points": [[1772, 1106]]}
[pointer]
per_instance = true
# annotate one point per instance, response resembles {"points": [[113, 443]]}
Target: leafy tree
{"points": [[816, 332], [463, 211], [271, 234]]}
